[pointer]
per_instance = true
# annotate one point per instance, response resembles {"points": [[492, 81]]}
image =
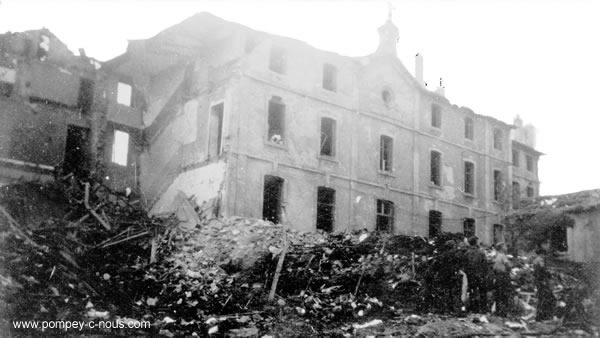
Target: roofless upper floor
{"points": [[206, 48]]}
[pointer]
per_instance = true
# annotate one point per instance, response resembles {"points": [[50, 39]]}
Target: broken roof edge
{"points": [[529, 148], [396, 61], [571, 203]]}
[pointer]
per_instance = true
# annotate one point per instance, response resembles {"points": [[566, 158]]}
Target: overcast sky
{"points": [[539, 59]]}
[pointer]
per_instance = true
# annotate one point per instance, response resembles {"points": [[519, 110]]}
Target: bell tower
{"points": [[388, 36]]}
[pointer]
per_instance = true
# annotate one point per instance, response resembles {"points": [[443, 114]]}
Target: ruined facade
{"points": [[270, 127], [245, 123]]}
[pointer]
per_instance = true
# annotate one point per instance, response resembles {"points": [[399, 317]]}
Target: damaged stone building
{"points": [[251, 124], [60, 115]]}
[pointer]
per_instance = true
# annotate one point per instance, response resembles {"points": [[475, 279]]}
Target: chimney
{"points": [[441, 89], [419, 69]]}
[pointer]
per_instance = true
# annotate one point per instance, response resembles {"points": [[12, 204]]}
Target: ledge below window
{"points": [[276, 145], [386, 173], [469, 195], [435, 186], [327, 158]]}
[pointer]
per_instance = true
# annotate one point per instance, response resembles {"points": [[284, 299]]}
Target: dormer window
{"points": [[436, 116], [497, 139], [277, 60], [329, 77]]}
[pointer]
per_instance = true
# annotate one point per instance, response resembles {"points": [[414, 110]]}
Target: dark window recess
{"points": [[85, 100], [329, 77], [530, 192], [277, 60], [386, 151], [529, 163], [387, 97], [76, 159], [385, 216], [325, 209], [436, 116], [469, 178], [515, 158], [216, 130], [498, 233], [435, 223], [327, 136], [436, 166], [276, 120], [497, 139], [469, 128], [516, 194], [469, 227], [558, 238], [272, 198], [6, 89], [497, 185]]}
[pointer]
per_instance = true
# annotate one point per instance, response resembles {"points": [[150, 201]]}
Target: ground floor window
{"points": [[498, 233], [385, 216], [272, 198], [469, 227], [435, 223], [325, 208]]}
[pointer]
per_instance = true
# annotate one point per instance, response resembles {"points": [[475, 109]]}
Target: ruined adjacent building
{"points": [[251, 124], [59, 113]]}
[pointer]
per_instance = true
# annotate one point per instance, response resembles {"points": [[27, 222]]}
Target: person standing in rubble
{"points": [[546, 299], [502, 287], [477, 272]]}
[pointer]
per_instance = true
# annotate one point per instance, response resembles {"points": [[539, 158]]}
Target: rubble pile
{"points": [[78, 265], [106, 258]]}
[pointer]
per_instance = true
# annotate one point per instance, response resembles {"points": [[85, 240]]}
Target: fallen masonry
{"points": [[103, 257]]}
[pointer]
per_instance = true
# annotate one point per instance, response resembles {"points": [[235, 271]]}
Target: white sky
{"points": [[539, 59]]}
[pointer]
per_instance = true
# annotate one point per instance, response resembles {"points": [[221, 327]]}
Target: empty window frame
{"points": [[469, 134], [469, 227], [330, 77], [497, 185], [327, 137], [469, 178], [529, 162], [277, 62], [516, 194], [86, 95], [385, 216], [386, 153], [276, 121], [530, 192], [325, 209], [515, 158], [215, 133], [435, 223], [497, 139], [124, 94], [120, 147], [436, 168], [272, 198], [498, 233], [436, 116]]}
